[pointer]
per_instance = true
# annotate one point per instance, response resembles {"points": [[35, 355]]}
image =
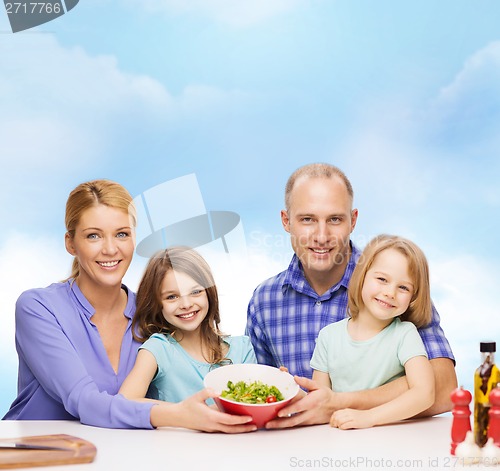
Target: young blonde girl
{"points": [[177, 321], [389, 297]]}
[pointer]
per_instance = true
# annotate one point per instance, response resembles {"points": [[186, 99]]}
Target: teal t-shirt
{"points": [[179, 375], [357, 365]]}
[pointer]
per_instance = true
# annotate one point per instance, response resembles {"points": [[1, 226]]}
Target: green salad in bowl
{"points": [[255, 392]]}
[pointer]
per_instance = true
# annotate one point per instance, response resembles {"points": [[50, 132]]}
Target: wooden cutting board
{"points": [[79, 451]]}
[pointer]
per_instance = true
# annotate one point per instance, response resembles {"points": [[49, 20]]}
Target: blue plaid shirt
{"points": [[285, 316]]}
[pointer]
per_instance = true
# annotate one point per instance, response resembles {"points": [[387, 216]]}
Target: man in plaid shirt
{"points": [[287, 311]]}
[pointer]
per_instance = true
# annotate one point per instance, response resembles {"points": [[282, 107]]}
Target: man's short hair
{"points": [[316, 170]]}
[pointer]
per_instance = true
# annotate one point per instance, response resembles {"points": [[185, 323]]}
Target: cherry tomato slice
{"points": [[271, 398]]}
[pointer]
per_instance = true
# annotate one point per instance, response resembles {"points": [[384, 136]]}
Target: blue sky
{"points": [[403, 96]]}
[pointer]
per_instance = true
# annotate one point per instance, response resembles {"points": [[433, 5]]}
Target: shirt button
{"points": [[318, 303]]}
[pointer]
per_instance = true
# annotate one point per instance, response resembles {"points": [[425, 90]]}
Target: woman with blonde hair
{"points": [[75, 338]]}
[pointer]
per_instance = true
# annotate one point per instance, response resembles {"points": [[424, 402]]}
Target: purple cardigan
{"points": [[64, 371]]}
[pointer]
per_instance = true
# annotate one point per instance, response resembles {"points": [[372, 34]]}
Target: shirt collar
{"points": [[295, 278], [89, 310], [351, 265]]}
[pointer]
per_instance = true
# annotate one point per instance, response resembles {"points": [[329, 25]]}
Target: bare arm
{"points": [[136, 384], [418, 397], [445, 382], [322, 379], [369, 398]]}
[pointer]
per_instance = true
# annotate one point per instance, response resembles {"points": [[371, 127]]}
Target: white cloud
{"points": [[239, 13], [41, 142], [52, 76], [480, 74], [27, 262], [389, 168], [63, 107], [61, 104], [67, 113], [466, 111]]}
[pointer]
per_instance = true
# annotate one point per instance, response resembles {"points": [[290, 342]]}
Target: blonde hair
{"points": [[149, 318], [94, 193], [316, 170], [419, 311]]}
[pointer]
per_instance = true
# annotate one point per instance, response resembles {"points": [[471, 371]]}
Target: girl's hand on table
{"points": [[351, 418]]}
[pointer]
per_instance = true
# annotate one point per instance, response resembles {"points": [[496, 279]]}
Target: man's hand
{"points": [[315, 407]]}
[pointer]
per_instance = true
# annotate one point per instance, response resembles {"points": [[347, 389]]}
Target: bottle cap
{"points": [[487, 347]]}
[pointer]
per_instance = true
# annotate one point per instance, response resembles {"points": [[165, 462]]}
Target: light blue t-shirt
{"points": [[357, 365], [179, 375]]}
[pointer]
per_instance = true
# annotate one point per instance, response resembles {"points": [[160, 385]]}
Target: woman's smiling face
{"points": [[103, 242]]}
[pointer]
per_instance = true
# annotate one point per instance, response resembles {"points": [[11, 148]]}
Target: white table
{"points": [[412, 445]]}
